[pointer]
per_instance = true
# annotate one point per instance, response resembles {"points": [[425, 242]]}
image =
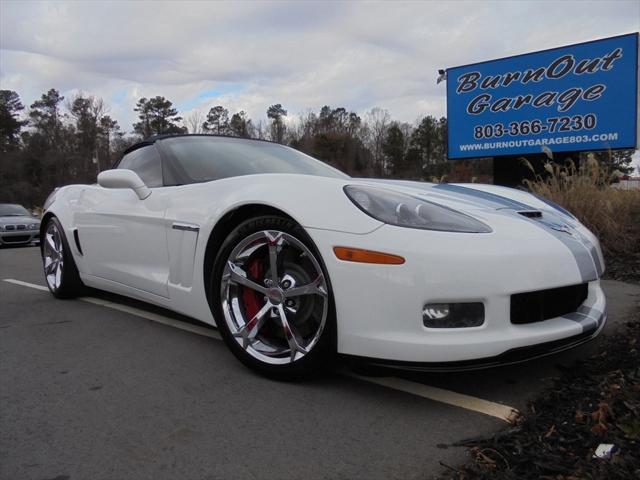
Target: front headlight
{"points": [[34, 226], [404, 210]]}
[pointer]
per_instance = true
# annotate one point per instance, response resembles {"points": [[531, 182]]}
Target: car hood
{"points": [[506, 210], [23, 219]]}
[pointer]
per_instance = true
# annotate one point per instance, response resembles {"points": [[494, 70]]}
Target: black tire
{"points": [[322, 353], [69, 284]]}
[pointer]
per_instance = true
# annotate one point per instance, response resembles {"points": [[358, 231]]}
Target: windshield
{"points": [[204, 158], [8, 210]]}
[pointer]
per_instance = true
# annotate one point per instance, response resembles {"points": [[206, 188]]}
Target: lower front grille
{"points": [[16, 238], [530, 307]]}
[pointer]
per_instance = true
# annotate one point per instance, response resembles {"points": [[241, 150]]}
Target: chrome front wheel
{"points": [[272, 299], [60, 271], [274, 296], [53, 257]]}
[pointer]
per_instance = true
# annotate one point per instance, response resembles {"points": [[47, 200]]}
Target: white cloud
{"points": [[248, 55]]}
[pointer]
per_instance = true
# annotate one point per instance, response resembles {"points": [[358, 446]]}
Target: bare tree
{"points": [[377, 121], [407, 130], [305, 124], [259, 130], [193, 122]]}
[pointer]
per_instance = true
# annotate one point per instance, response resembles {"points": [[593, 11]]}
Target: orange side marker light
{"points": [[360, 255]]}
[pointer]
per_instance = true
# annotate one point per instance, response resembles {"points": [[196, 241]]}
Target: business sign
{"points": [[576, 98]]}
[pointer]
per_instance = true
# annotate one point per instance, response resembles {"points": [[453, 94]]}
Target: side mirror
{"points": [[121, 178]]}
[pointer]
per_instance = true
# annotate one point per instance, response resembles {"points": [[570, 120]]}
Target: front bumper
{"points": [[510, 357], [379, 307], [19, 237]]}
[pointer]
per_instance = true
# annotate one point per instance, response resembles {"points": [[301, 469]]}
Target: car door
{"points": [[124, 238]]}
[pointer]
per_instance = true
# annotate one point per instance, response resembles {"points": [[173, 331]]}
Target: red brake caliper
{"points": [[252, 301]]}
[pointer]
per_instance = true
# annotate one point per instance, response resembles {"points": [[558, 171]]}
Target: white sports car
{"points": [[295, 261]]}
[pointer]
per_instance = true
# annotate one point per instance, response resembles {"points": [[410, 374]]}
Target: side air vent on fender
{"points": [[77, 240]]}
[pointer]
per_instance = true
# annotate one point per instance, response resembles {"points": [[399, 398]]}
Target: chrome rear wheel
{"points": [[274, 297]]}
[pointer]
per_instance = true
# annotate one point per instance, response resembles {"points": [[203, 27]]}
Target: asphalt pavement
{"points": [[100, 389]]}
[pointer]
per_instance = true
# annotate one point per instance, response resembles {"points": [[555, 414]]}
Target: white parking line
{"points": [[486, 407], [503, 412], [26, 284], [154, 317]]}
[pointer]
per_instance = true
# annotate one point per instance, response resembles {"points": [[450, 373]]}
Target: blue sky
{"points": [[247, 55]]}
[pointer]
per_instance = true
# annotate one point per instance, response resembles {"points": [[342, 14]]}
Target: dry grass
{"points": [[612, 214]]}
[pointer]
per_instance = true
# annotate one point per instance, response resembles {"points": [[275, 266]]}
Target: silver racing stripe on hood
{"points": [[594, 253], [583, 251], [574, 242], [486, 198]]}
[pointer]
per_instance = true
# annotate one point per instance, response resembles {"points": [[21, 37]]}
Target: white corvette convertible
{"points": [[296, 262]]}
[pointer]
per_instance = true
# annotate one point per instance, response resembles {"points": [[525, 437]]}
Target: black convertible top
{"points": [[154, 138]]}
